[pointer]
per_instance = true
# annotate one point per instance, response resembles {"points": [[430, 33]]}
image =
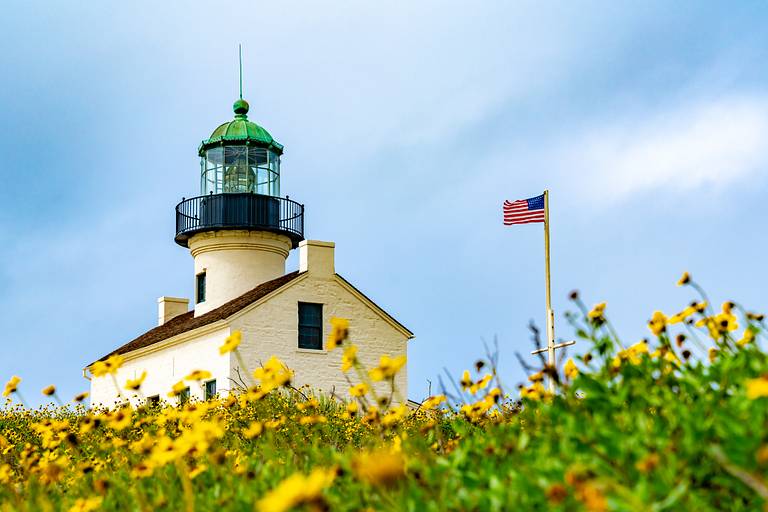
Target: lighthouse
{"points": [[239, 230]]}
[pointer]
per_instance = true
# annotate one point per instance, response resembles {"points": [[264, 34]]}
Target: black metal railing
{"points": [[239, 211]]}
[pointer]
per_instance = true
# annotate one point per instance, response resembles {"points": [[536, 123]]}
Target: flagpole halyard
{"points": [[548, 293]]}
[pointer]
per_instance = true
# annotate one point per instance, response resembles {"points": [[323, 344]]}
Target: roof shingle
{"points": [[187, 321]]}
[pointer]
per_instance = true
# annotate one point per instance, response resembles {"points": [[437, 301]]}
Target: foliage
{"points": [[677, 422]]}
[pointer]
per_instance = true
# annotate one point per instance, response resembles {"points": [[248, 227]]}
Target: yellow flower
{"points": [[114, 362], [99, 369], [177, 389], [231, 343], [142, 470], [570, 369], [110, 366], [11, 386], [135, 384], [198, 375], [432, 402], [297, 489], [749, 337], [712, 354], [49, 390], [311, 420], [534, 392], [358, 389], [466, 380], [632, 354], [312, 403], [394, 416], [666, 354], [685, 279], [387, 368], [658, 323], [86, 504], [597, 314], [6, 473], [720, 324], [339, 332], [120, 419], [349, 358], [757, 388], [381, 467], [197, 470], [480, 384], [273, 375], [696, 307], [352, 410], [254, 430], [81, 396]]}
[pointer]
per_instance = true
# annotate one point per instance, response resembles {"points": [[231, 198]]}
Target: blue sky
{"points": [[406, 125]]}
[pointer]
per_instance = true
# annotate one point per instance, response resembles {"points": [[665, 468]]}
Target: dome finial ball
{"points": [[240, 107]]}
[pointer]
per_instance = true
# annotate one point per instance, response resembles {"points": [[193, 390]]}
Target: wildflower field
{"points": [[674, 422]]}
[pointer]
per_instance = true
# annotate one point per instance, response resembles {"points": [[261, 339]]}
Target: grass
{"points": [[675, 422]]}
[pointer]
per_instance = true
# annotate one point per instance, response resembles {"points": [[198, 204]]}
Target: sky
{"points": [[406, 125]]}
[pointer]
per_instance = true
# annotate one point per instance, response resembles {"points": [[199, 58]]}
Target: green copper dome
{"points": [[241, 131]]}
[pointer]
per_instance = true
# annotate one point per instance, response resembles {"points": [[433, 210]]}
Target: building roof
{"points": [[241, 131], [188, 321]]}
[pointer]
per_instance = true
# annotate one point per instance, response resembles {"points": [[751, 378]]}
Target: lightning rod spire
{"points": [[240, 55]]}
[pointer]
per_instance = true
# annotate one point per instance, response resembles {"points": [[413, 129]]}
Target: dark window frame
{"points": [[310, 326], [208, 393], [200, 287], [185, 396], [153, 401]]}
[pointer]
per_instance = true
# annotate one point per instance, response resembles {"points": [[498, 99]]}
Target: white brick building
{"points": [[239, 232]]}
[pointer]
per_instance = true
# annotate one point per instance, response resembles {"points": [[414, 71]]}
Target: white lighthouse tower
{"points": [[239, 230]]}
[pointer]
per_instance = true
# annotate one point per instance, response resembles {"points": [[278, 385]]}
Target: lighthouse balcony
{"points": [[249, 211]]}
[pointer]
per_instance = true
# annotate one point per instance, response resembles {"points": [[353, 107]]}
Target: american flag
{"points": [[524, 211]]}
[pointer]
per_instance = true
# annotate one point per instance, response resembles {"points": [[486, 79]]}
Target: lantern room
{"points": [[239, 185], [240, 156]]}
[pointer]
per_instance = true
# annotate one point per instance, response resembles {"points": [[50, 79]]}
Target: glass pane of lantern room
{"points": [[238, 175], [257, 158], [212, 172], [274, 174]]}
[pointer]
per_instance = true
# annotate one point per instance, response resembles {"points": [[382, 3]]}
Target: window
{"points": [[153, 401], [184, 396], [310, 326], [201, 287], [210, 389]]}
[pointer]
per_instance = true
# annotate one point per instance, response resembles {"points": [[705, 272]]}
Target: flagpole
{"points": [[548, 293]]}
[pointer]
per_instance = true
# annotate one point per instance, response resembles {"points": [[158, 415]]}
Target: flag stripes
{"points": [[524, 211]]}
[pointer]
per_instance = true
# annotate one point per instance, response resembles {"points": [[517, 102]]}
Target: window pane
{"points": [[201, 287], [310, 326], [210, 389]]}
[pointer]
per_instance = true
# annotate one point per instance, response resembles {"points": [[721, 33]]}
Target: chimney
{"points": [[316, 257], [170, 307]]}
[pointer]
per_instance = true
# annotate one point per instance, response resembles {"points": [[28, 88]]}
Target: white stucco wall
{"points": [[166, 364], [271, 328], [235, 262]]}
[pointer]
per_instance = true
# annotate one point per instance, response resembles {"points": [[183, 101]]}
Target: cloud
{"points": [[710, 143]]}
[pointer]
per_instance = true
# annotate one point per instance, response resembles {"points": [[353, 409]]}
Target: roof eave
{"points": [[238, 141]]}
